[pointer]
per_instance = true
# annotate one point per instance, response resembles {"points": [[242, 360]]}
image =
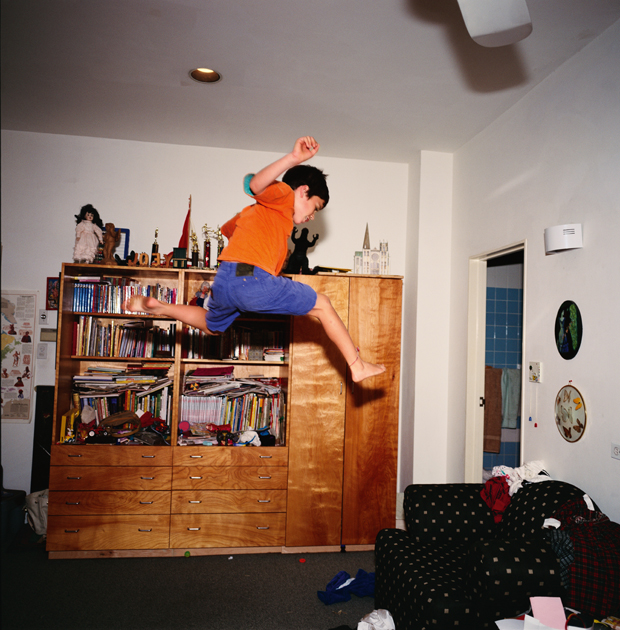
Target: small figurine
{"points": [[88, 234], [194, 240], [111, 239], [201, 297], [155, 250], [220, 244], [207, 235], [298, 261]]}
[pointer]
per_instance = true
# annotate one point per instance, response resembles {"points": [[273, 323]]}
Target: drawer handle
{"points": [[146, 502], [71, 531], [145, 530], [262, 528], [74, 503], [264, 477], [147, 477], [75, 455], [194, 501], [193, 529], [74, 477], [195, 456], [263, 501], [195, 477], [266, 456], [148, 456]]}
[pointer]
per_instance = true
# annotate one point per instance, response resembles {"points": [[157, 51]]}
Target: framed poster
{"points": [[19, 310], [52, 294], [568, 330]]}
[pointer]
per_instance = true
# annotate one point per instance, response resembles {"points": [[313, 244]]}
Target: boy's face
{"points": [[305, 206]]}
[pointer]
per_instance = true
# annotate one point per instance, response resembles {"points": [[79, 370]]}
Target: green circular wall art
{"points": [[568, 330]]}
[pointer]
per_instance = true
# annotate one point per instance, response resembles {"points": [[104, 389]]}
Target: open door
{"points": [[476, 359]]}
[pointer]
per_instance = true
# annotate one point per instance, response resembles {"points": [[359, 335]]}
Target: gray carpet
{"points": [[247, 592]]}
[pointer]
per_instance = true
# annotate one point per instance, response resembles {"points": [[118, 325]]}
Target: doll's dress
{"points": [[88, 235]]}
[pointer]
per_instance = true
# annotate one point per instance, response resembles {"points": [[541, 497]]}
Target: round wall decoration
{"points": [[570, 413], [568, 330]]}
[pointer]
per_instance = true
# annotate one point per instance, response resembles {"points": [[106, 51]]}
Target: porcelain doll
{"points": [[88, 234]]}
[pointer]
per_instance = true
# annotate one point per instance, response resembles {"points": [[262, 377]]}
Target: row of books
{"points": [[109, 338], [248, 412], [237, 343], [107, 294], [217, 397]]}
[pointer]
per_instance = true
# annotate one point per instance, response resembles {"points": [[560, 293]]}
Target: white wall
{"points": [[143, 186], [554, 158], [430, 411]]}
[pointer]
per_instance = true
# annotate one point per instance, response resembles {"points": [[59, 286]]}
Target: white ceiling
{"points": [[370, 79]]}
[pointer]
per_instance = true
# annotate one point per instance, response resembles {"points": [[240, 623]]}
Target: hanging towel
{"points": [[492, 409], [511, 397]]}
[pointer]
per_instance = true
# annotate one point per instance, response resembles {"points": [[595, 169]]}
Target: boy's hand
{"points": [[305, 148]]}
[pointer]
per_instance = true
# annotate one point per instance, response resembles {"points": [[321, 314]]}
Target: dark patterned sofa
{"points": [[455, 567]]}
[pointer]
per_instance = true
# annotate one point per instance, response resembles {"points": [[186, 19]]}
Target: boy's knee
{"points": [[322, 301]]}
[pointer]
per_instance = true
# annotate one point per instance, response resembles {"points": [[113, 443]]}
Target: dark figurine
{"points": [[298, 260], [111, 238]]}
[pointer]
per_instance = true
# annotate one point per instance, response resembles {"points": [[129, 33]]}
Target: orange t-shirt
{"points": [[258, 235]]}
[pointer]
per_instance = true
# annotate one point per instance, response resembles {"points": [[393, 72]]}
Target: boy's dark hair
{"points": [[311, 176]]}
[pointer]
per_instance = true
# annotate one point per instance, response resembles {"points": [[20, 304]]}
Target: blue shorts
{"points": [[259, 292]]}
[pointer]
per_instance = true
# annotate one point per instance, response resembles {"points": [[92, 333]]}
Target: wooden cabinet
{"points": [[344, 436], [104, 497], [330, 481]]}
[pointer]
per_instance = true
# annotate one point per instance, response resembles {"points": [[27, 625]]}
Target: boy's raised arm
{"points": [[305, 148]]}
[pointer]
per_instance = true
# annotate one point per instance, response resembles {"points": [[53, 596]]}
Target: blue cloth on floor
{"points": [[363, 585]]}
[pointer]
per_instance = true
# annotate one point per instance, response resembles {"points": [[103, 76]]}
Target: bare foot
{"points": [[361, 370], [142, 304]]}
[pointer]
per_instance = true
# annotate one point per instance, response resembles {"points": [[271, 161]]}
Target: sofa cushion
{"points": [[531, 505], [510, 572], [442, 513]]}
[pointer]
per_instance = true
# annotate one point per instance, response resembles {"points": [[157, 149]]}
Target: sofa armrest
{"points": [[501, 570], [453, 512]]}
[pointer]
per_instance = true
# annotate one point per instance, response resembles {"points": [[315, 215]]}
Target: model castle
{"points": [[372, 261]]}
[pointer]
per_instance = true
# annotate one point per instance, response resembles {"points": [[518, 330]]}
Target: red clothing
{"points": [[495, 495], [258, 235]]}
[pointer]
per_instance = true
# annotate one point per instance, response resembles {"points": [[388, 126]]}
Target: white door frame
{"points": [[476, 328]]}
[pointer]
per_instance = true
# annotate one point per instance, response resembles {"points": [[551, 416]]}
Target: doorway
{"points": [[495, 339], [503, 354]]}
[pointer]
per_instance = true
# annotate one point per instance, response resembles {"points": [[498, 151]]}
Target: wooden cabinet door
{"points": [[371, 434], [316, 425]]}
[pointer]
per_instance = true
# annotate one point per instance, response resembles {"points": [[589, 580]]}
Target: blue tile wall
{"points": [[503, 350], [504, 327]]}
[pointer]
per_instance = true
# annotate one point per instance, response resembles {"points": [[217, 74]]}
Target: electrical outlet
{"points": [[42, 351], [535, 375], [615, 450]]}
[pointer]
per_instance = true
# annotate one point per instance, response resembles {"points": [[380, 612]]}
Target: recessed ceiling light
{"points": [[205, 75]]}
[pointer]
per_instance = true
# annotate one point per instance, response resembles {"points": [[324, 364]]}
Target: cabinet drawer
{"points": [[110, 455], [109, 478], [227, 530], [229, 478], [229, 456], [109, 502], [68, 533], [227, 501]]}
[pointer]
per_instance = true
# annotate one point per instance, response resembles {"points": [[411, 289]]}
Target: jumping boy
{"points": [[247, 278]]}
